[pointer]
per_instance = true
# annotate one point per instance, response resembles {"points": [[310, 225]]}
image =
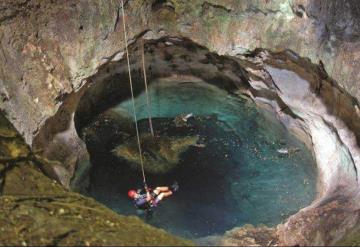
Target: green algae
{"points": [[161, 154]]}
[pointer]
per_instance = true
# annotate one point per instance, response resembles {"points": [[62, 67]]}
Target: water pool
{"points": [[238, 178]]}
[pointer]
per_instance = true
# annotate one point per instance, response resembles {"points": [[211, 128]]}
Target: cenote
{"points": [[233, 174]]}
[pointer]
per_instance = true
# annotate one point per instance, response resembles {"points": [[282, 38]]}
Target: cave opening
{"points": [[235, 163]]}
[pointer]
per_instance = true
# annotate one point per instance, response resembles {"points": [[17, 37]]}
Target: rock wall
{"points": [[37, 211], [48, 48], [50, 51], [300, 93], [321, 110]]}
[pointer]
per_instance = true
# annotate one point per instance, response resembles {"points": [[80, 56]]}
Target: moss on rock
{"points": [[161, 154], [37, 211]]}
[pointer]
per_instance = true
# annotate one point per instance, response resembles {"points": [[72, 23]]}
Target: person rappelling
{"points": [[147, 198], [144, 199]]}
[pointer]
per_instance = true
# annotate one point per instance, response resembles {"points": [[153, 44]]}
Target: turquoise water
{"points": [[237, 178]]}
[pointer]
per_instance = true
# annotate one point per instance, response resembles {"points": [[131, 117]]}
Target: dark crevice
{"points": [[335, 131], [162, 4], [138, 37], [32, 157], [61, 237], [206, 6], [269, 94], [273, 82], [117, 18], [118, 14], [255, 10], [12, 10], [158, 49], [8, 167], [24, 198], [298, 10]]}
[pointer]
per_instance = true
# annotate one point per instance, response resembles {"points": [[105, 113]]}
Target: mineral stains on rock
{"points": [[51, 51]]}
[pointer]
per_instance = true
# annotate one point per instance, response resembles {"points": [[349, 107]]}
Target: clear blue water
{"points": [[238, 178]]}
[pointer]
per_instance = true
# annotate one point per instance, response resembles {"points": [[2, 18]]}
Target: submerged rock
{"points": [[61, 59], [288, 151], [112, 133], [160, 153], [181, 120]]}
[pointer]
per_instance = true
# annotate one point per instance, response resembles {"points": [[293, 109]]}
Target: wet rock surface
{"points": [[234, 175], [62, 45], [306, 105], [262, 75], [113, 134], [35, 210], [250, 235], [160, 154], [66, 42], [247, 235], [309, 94]]}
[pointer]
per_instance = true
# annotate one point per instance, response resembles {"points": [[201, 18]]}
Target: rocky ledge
{"points": [[302, 95], [62, 53], [325, 117], [37, 211], [49, 48]]}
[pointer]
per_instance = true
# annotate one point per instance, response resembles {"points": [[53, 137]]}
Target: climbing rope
{"points": [[146, 88], [132, 95]]}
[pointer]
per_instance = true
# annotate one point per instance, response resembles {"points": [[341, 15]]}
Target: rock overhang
{"points": [[298, 91], [319, 34], [168, 57]]}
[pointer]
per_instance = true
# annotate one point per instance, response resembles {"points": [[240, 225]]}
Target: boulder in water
{"points": [[160, 154]]}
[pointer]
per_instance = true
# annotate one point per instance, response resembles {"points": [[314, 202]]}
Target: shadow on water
{"points": [[237, 178]]}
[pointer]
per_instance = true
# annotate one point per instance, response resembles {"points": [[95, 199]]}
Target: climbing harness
{"points": [[132, 96], [146, 88]]}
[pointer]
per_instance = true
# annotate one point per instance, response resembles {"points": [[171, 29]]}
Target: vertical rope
{"points": [[132, 94], [146, 88]]}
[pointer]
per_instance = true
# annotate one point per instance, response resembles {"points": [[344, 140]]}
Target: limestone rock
{"points": [[249, 235], [38, 211], [51, 49], [58, 45]]}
